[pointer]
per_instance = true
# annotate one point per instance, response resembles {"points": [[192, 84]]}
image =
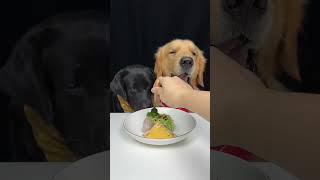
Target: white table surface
{"points": [[187, 160]]}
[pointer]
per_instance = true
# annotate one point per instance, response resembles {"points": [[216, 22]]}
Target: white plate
{"points": [[184, 125], [92, 167], [228, 167]]}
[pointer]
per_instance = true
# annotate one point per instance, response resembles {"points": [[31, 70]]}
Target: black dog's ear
{"points": [[153, 74], [117, 85], [23, 77]]}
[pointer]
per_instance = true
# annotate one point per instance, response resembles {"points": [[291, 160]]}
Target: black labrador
{"points": [[133, 83], [60, 69]]}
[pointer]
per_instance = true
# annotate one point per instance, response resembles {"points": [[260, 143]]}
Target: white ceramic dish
{"points": [[228, 167], [91, 167], [184, 125]]}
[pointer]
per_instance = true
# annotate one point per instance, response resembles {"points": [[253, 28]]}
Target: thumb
{"points": [[158, 82], [157, 90]]}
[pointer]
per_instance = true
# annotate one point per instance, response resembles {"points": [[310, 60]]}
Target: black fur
{"points": [[134, 84], [60, 68]]}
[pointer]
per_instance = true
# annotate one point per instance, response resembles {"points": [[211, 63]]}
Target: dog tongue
{"points": [[184, 77], [236, 50]]}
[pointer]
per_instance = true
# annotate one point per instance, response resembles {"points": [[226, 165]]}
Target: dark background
{"points": [[139, 27], [309, 55], [17, 17], [308, 52]]}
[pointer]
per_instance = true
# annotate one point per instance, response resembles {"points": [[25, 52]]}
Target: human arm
{"points": [[281, 127], [176, 93]]}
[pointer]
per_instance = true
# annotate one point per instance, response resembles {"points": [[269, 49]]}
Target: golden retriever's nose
{"points": [[186, 63], [236, 7]]}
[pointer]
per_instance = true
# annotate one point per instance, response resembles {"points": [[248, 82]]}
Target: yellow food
{"points": [[159, 131]]}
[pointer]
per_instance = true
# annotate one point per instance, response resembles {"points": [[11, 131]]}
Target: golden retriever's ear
{"points": [[201, 63], [289, 60], [159, 60]]}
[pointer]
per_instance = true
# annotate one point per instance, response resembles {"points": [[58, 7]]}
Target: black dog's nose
{"points": [[146, 104], [233, 4], [260, 4], [234, 7], [186, 62]]}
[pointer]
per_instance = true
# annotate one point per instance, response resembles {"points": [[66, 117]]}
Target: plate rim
{"points": [[161, 140], [244, 163]]}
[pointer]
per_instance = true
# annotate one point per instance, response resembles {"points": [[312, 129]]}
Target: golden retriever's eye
{"points": [[194, 53], [172, 52]]}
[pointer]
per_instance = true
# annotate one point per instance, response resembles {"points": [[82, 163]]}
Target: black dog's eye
{"points": [[74, 82], [75, 91], [71, 86], [132, 90]]}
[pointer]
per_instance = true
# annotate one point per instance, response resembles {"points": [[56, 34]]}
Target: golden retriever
{"points": [[260, 34], [181, 58]]}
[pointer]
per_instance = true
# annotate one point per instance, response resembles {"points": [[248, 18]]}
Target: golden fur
{"points": [[278, 40], [168, 57], [167, 63]]}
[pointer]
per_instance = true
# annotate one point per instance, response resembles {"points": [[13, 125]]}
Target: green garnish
{"points": [[164, 119], [153, 114]]}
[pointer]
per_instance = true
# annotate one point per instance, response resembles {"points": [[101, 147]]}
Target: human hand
{"points": [[235, 89], [231, 82], [228, 73], [171, 90]]}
